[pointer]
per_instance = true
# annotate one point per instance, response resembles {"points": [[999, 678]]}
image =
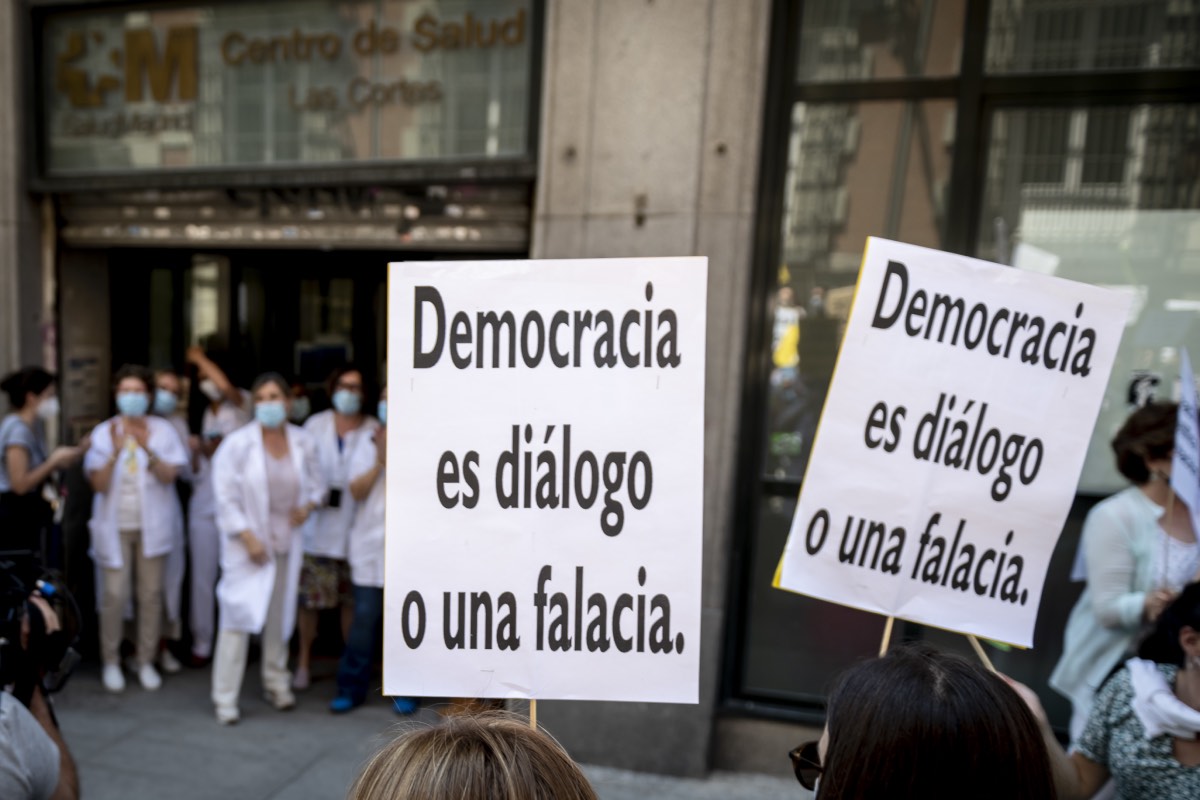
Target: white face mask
{"points": [[210, 390], [49, 408]]}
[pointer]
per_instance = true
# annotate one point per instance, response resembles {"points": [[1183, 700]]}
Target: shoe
{"points": [[300, 679], [404, 705], [280, 701], [169, 663], [113, 678], [198, 662], [227, 715], [148, 675], [343, 703]]}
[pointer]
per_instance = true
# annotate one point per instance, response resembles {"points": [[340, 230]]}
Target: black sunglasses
{"points": [[806, 763]]}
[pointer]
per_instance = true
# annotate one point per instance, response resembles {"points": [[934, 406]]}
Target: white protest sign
{"points": [[951, 440], [545, 479], [1185, 463]]}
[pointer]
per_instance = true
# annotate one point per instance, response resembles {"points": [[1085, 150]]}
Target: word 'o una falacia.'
{"points": [[955, 564], [630, 622]]}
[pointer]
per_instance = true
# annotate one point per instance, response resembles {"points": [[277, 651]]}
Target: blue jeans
{"points": [[354, 672]]}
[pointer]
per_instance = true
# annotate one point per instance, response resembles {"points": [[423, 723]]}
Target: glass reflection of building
{"points": [[1056, 135]]}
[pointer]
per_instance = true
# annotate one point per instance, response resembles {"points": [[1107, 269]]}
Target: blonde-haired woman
{"points": [[492, 756], [266, 482]]}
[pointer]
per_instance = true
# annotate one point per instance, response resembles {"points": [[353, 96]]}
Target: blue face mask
{"points": [[165, 402], [346, 401], [133, 404], [270, 414], [382, 411]]}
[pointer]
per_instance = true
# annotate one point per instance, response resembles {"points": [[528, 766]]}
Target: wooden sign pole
{"points": [[979, 651], [887, 636], [533, 714]]}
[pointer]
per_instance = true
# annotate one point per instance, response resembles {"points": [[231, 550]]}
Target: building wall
{"points": [[651, 124], [21, 290]]}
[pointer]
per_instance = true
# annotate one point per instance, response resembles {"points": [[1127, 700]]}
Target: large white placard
{"points": [[1185, 463], [545, 479], [951, 440]]}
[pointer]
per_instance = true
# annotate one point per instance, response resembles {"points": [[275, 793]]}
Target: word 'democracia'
{"points": [[570, 338]]}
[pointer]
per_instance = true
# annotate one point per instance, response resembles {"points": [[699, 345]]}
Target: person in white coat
{"points": [[267, 483], [325, 577], [132, 464], [168, 393], [367, 464], [227, 410]]}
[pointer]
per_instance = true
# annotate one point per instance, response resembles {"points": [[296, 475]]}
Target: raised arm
{"points": [[1076, 777], [207, 368]]}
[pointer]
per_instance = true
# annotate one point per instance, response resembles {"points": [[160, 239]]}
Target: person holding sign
{"points": [[1144, 731], [369, 490], [473, 757], [922, 724], [1136, 556], [267, 483], [325, 576]]}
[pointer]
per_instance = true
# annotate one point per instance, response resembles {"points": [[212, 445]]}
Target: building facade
{"points": [[237, 175]]}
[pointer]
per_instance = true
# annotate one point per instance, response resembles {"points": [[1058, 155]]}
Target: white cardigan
{"points": [[1120, 540], [327, 531]]}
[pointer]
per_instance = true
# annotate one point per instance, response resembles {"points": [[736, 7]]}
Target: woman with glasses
{"points": [[926, 725], [266, 483]]}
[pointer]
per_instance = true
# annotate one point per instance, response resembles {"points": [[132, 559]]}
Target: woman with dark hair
{"points": [[1144, 730], [369, 488], [325, 580], [1136, 558], [226, 410], [136, 522], [25, 460], [922, 724], [266, 481]]}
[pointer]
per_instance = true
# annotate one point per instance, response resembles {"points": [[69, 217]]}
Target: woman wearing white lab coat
{"points": [[136, 523], [267, 483], [227, 410], [325, 576]]}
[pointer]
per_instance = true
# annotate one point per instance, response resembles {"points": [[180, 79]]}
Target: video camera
{"points": [[47, 659]]}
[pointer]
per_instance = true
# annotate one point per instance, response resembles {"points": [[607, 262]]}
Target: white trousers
{"points": [[229, 663], [204, 549]]}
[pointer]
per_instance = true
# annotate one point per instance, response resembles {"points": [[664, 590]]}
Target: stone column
{"points": [[650, 138], [21, 291]]}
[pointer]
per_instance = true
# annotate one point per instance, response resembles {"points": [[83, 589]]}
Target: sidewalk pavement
{"points": [[168, 744]]}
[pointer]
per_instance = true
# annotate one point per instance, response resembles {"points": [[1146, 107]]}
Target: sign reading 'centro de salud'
{"points": [[303, 82]]}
